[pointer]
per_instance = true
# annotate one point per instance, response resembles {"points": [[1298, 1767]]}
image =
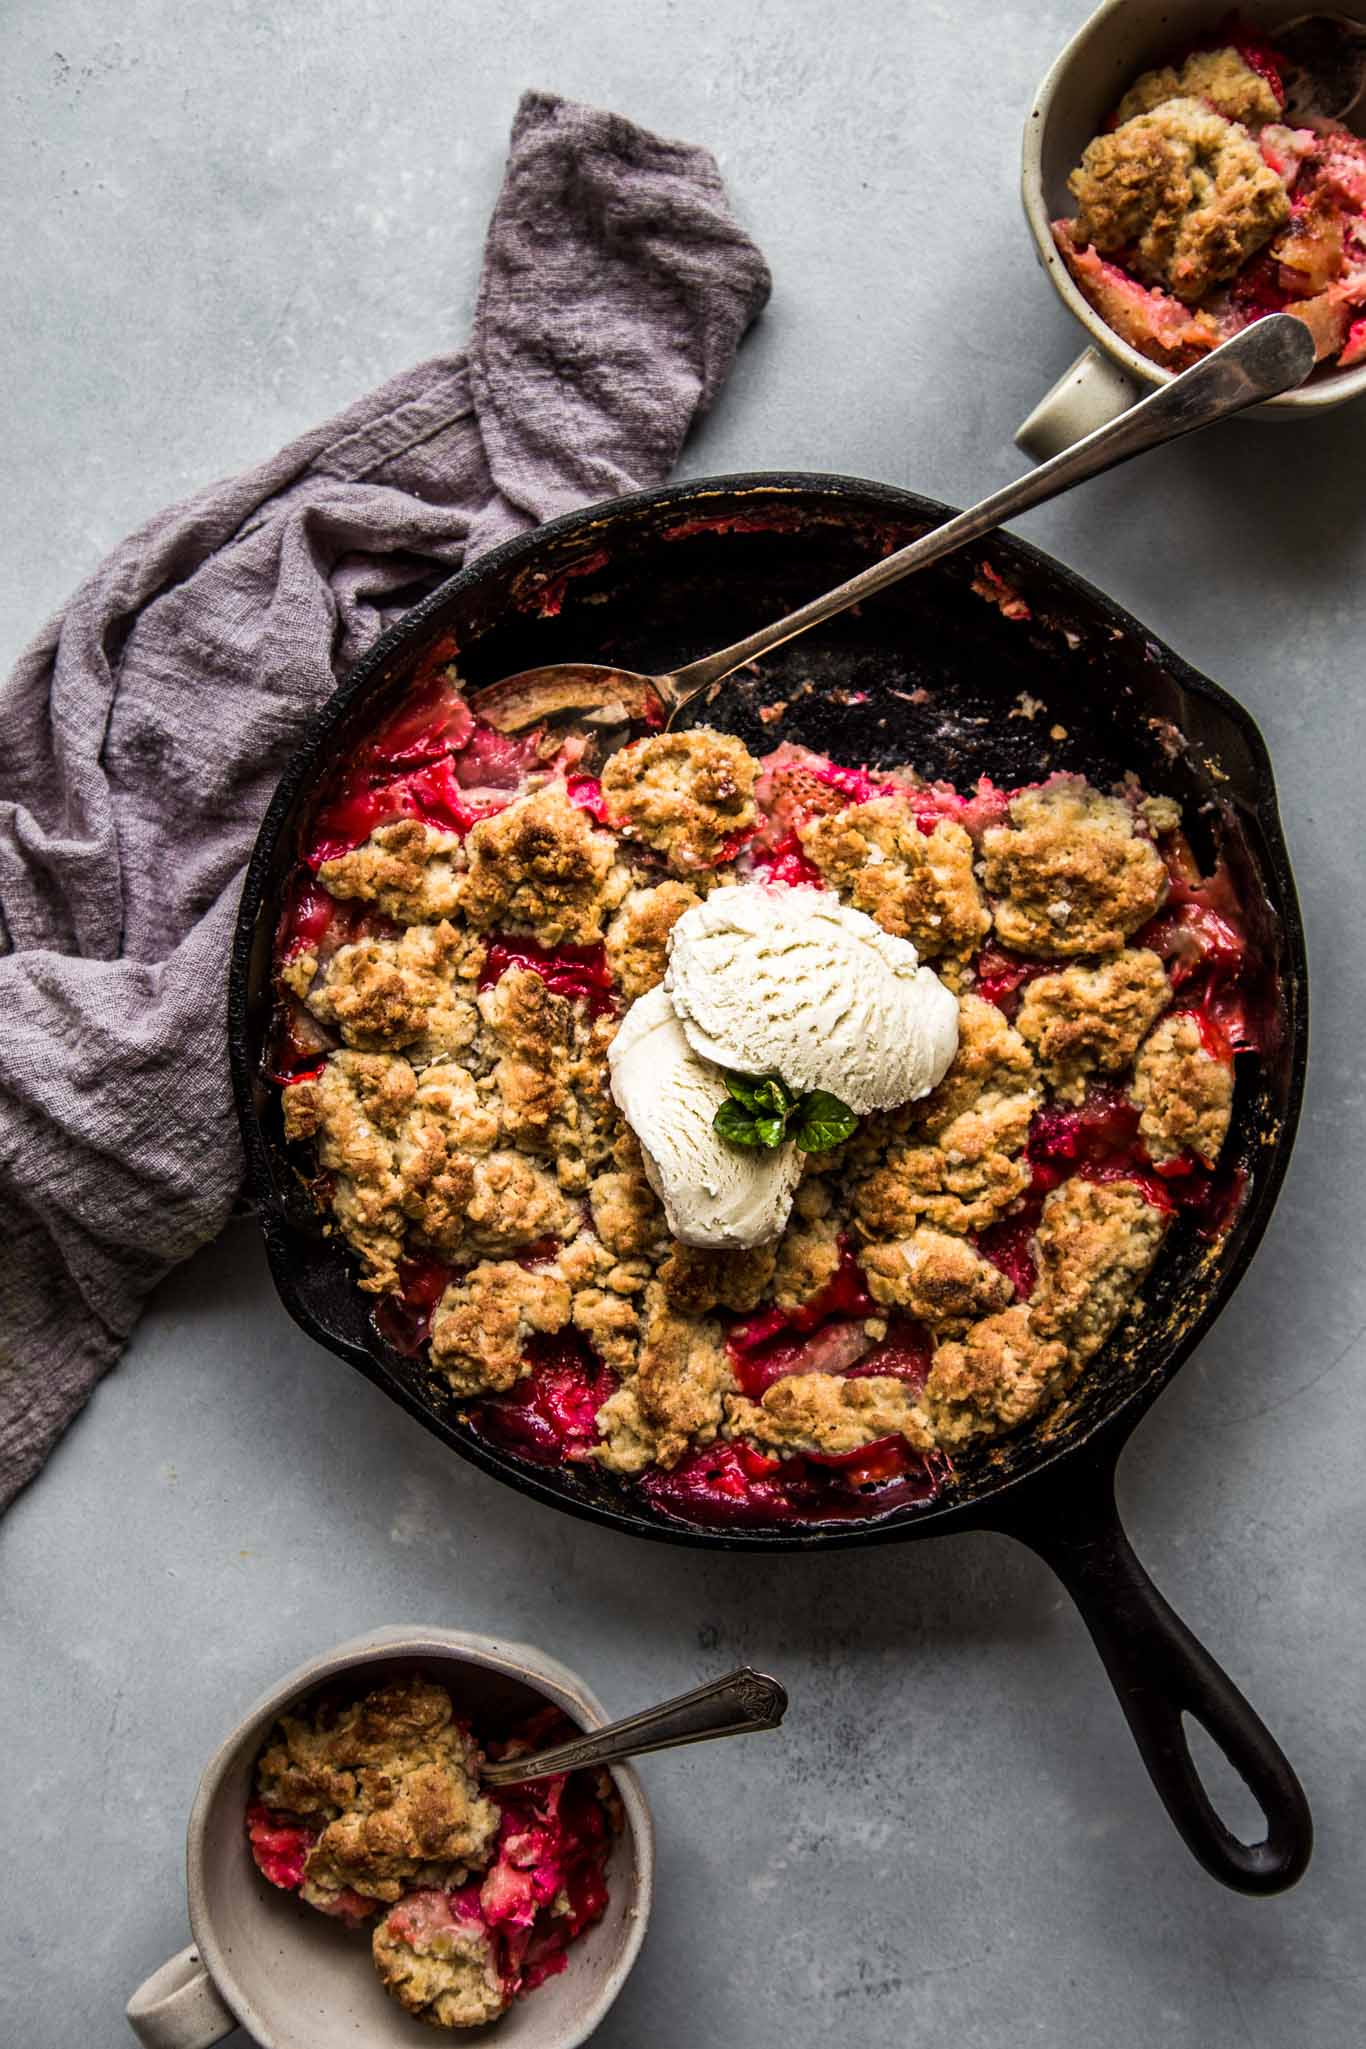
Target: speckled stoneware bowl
{"points": [[297, 1980], [1122, 38]]}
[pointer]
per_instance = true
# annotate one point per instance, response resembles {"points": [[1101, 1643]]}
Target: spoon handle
{"points": [[732, 1706], [1272, 356]]}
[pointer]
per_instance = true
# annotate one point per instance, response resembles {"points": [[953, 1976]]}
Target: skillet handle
{"points": [[1160, 1671]]}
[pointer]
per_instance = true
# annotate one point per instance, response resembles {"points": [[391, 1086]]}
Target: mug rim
{"points": [[1335, 390], [537, 1669]]}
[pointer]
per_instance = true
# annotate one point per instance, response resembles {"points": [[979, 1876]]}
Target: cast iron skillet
{"points": [[928, 673]]}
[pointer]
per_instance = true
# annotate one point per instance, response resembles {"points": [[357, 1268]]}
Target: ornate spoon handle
{"points": [[732, 1706]]}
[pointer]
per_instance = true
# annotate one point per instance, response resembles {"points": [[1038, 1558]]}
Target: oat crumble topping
{"points": [[933, 1287]]}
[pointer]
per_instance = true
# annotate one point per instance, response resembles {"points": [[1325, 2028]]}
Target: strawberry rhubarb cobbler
{"points": [[370, 1810], [1199, 210], [767, 1133]]}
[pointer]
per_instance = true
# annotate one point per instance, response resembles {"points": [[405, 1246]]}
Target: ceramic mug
{"points": [[296, 1979], [1122, 38]]}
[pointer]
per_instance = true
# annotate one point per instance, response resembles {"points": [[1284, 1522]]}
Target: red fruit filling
{"points": [[1201, 933], [833, 1349], [795, 785], [433, 720], [551, 1416], [1001, 976], [360, 805], [1009, 1246], [405, 1320], [456, 770], [732, 1485], [279, 1846], [1098, 1141], [844, 1294], [578, 972], [586, 792], [498, 761], [935, 801], [788, 863], [904, 1354]]}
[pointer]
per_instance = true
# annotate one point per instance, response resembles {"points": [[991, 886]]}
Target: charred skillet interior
{"points": [[927, 673]]}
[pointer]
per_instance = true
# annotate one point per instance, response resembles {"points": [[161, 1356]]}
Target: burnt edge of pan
{"points": [[1222, 762]]}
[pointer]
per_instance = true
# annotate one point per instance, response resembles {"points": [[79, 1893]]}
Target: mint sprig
{"points": [[761, 1110]]}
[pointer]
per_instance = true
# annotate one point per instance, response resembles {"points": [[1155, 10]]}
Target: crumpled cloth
{"points": [[142, 733]]}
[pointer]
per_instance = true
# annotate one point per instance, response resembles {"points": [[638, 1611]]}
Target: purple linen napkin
{"points": [[142, 733]]}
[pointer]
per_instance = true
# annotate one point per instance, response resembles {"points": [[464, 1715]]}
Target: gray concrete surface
{"points": [[223, 222]]}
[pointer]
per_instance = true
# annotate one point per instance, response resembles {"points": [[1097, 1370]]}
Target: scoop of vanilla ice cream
{"points": [[771, 980], [713, 1193]]}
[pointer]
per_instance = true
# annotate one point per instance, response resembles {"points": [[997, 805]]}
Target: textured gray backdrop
{"points": [[221, 224]]}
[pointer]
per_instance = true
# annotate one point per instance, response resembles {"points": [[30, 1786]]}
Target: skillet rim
{"points": [[1005, 1497]]}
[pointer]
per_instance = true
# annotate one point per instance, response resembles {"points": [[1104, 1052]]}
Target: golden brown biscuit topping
{"points": [[638, 936], [394, 1779], [1096, 1242], [918, 886], [1069, 873], [1086, 1021], [541, 867], [1184, 1091], [1183, 194], [408, 870], [690, 795]]}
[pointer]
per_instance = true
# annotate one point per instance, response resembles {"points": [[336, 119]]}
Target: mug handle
{"points": [[178, 2007], [1090, 394]]}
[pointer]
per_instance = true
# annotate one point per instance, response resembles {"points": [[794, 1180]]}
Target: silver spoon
{"points": [[1325, 65], [733, 1706], [1272, 356]]}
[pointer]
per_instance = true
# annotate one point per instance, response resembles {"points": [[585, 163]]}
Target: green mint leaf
{"points": [[822, 1122], [771, 1099], [771, 1130], [744, 1088], [735, 1123], [763, 1095]]}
